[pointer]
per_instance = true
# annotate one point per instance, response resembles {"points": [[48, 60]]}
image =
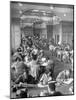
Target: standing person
{"points": [[34, 67]]}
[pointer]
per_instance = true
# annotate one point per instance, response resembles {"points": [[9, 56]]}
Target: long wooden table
{"points": [[64, 89]]}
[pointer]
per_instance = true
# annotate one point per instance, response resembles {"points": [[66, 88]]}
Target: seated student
{"points": [[16, 67], [22, 78], [19, 81], [19, 67], [50, 66], [64, 77], [46, 77], [25, 78], [51, 91]]}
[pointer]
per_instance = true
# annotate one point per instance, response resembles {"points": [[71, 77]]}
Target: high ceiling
{"points": [[18, 9]]}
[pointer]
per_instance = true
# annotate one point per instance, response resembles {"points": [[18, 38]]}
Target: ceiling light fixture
{"points": [[20, 4], [51, 7], [36, 10], [64, 15]]}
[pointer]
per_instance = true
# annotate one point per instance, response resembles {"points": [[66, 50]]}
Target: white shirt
{"points": [[33, 68], [45, 79]]}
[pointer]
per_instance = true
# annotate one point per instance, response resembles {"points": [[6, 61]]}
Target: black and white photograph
{"points": [[41, 49]]}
